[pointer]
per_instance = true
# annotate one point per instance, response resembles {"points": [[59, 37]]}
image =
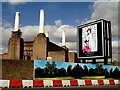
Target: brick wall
{"points": [[57, 55], [17, 69], [4, 56], [40, 47], [56, 52], [15, 48], [72, 56]]}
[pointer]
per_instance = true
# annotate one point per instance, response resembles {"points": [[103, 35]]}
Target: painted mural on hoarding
{"points": [[51, 69]]}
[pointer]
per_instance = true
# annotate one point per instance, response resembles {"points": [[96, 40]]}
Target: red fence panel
{"points": [[73, 82], [111, 82], [38, 83], [57, 83], [88, 82], [16, 84], [100, 82]]}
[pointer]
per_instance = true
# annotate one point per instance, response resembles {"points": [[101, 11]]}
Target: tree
{"points": [[81, 72], [99, 69], [69, 70], [47, 65], [56, 72], [111, 73], [77, 71], [38, 72], [116, 73], [91, 72], [62, 72], [53, 64], [46, 72], [47, 69], [102, 72], [50, 69], [106, 73], [85, 70]]}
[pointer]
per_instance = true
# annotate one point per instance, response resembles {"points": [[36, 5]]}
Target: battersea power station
{"points": [[38, 49], [18, 63]]}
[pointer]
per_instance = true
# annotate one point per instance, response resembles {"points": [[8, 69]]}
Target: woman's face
{"points": [[88, 32]]}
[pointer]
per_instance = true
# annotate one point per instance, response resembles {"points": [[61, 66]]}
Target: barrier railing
{"points": [[54, 83]]}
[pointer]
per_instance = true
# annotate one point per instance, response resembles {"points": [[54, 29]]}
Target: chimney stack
{"points": [[41, 23], [47, 34], [63, 38], [17, 21]]}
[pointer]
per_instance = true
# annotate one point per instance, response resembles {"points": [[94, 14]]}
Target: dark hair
{"points": [[89, 29]]}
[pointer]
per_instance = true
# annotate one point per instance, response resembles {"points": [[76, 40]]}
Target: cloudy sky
{"points": [[59, 16]]}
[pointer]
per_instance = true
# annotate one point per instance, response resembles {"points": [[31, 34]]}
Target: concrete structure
{"points": [[17, 22], [47, 34], [63, 38], [41, 23]]}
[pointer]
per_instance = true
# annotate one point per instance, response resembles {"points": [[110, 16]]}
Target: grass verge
{"points": [[70, 78]]}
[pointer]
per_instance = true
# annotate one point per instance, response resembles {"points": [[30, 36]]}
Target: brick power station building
{"points": [[18, 63], [39, 49]]}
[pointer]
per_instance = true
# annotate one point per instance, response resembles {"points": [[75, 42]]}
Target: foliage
{"points": [[69, 70], [77, 71]]}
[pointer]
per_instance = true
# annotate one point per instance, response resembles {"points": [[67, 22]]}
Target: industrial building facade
{"points": [[39, 49]]}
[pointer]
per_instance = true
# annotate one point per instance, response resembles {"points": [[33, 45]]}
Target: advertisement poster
{"points": [[89, 39]]}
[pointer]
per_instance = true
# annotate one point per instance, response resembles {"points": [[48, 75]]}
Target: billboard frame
{"points": [[106, 41]]}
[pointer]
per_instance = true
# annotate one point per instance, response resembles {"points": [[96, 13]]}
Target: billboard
{"points": [[94, 40]]}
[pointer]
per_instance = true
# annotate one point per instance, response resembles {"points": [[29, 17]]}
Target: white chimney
{"points": [[63, 38], [47, 34], [17, 21], [41, 23]]}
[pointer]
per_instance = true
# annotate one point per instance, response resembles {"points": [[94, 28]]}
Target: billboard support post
{"points": [[94, 61], [110, 40], [84, 61]]}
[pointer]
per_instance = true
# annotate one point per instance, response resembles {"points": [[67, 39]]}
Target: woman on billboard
{"points": [[88, 42]]}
